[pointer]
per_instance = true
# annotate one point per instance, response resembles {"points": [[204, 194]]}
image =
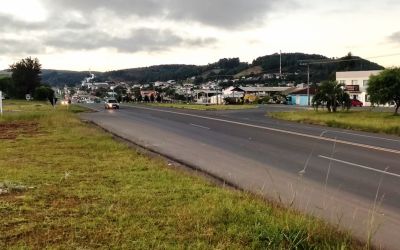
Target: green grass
{"points": [[74, 186], [377, 122], [202, 107]]}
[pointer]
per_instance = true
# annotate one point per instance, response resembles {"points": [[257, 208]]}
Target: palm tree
{"points": [[332, 94]]}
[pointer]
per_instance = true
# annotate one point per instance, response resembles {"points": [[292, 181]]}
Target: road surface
{"points": [[348, 178]]}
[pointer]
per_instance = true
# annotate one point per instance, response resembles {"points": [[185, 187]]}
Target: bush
{"points": [[43, 93], [233, 100], [264, 100]]}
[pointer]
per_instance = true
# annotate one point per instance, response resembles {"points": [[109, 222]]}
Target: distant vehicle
{"points": [[111, 104], [356, 103]]}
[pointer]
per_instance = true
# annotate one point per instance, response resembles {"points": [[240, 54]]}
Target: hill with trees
{"points": [[322, 68], [293, 70]]}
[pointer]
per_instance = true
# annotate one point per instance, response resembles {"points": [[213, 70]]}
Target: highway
{"points": [[349, 178]]}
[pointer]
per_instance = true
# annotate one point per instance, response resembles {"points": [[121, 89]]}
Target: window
{"points": [[354, 82], [342, 81], [365, 82]]}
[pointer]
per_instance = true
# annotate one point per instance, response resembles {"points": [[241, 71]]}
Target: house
{"points": [[97, 85], [301, 96], [148, 93], [257, 91], [233, 92], [203, 96], [356, 83]]}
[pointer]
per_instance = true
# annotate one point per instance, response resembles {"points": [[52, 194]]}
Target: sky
{"points": [[103, 35]]}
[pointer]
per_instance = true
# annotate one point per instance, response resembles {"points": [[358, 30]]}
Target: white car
{"points": [[111, 104]]}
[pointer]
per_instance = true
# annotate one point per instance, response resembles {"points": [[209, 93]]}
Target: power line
{"points": [[326, 61]]}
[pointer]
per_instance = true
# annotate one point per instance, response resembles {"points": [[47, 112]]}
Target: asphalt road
{"points": [[349, 178]]}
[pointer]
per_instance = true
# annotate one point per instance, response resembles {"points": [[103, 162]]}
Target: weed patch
{"points": [[10, 130]]}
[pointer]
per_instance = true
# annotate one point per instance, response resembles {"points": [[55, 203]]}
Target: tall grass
{"points": [[377, 122], [90, 191]]}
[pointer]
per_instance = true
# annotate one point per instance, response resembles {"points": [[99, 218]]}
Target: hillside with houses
{"points": [[268, 79]]}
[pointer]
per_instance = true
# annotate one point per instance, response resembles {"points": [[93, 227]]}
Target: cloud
{"points": [[395, 37], [74, 25], [9, 23], [89, 24], [65, 33], [216, 13], [20, 47], [138, 40]]}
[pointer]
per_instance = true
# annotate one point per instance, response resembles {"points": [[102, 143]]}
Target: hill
{"points": [[322, 68], [153, 73], [292, 70], [255, 70], [5, 74]]}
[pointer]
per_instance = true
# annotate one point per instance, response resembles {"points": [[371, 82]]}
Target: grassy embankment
{"points": [[68, 185], [202, 107], [377, 122]]}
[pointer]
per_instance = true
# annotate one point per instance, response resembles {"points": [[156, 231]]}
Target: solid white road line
{"points": [[199, 126], [367, 136], [358, 165], [388, 150]]}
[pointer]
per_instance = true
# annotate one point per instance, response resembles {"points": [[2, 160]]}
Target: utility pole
{"points": [[1, 103], [280, 63], [308, 80], [280, 66], [308, 84]]}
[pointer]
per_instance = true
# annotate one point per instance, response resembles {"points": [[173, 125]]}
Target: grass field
{"points": [[202, 107], [377, 122], [65, 184]]}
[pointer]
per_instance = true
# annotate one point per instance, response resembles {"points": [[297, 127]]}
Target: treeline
{"points": [[294, 66], [26, 80], [61, 77], [292, 69]]}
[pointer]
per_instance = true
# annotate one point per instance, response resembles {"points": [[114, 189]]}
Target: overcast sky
{"points": [[107, 35]]}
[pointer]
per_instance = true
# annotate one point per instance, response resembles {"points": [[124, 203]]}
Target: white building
{"points": [[356, 83]]}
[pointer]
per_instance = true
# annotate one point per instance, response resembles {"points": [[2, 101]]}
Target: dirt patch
{"points": [[10, 130]]}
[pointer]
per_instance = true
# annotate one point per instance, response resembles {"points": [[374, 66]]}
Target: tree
{"points": [[43, 93], [385, 88], [120, 90], [101, 92], [332, 94], [26, 76], [137, 95], [7, 86]]}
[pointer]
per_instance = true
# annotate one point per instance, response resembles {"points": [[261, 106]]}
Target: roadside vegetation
{"points": [[66, 184], [202, 107], [377, 122], [385, 88]]}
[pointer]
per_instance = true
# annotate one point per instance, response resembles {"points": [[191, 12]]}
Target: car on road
{"points": [[356, 103], [111, 104]]}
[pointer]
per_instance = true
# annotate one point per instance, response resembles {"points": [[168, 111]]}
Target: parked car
{"points": [[111, 104], [356, 103]]}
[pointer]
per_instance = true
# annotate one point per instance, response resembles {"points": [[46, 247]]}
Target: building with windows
{"points": [[356, 83]]}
